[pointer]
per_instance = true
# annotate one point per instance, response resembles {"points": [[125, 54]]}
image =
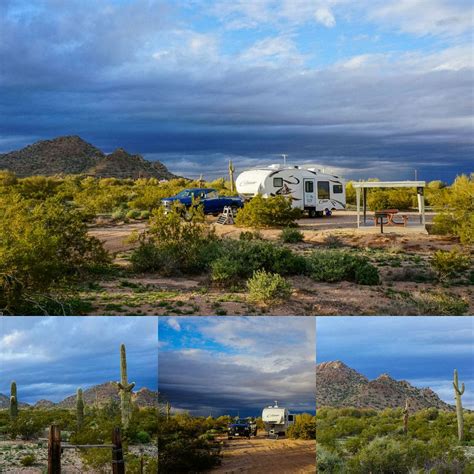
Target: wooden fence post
{"points": [[54, 450], [118, 464]]}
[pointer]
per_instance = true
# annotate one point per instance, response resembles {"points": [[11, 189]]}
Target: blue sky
{"points": [[237, 365], [366, 88], [51, 357], [422, 350]]}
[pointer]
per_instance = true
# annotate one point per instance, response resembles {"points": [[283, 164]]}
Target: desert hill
{"points": [[73, 155], [96, 395], [338, 385]]}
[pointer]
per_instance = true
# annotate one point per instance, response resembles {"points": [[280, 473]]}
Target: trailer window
{"points": [[323, 189], [308, 187], [337, 189], [278, 182]]}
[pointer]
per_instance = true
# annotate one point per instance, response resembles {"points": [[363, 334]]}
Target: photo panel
{"points": [[395, 394], [237, 394], [78, 394]]}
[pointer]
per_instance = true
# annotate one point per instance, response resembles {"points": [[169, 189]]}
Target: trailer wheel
{"points": [[312, 213], [319, 214]]}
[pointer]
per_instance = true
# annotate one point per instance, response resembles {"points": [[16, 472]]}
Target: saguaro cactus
{"points": [[231, 175], [168, 410], [405, 417], [13, 402], [80, 409], [125, 390], [458, 392]]}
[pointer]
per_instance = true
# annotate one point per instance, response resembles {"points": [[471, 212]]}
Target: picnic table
{"points": [[389, 215]]}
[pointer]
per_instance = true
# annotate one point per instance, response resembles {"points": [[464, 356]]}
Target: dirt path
{"points": [[261, 455]]}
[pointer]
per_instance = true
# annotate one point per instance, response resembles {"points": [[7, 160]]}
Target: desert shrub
{"points": [[378, 199], [448, 264], [174, 246], [455, 206], [268, 288], [132, 214], [145, 214], [440, 303], [249, 235], [28, 460], [43, 247], [303, 428], [291, 236], [142, 437], [336, 265], [333, 241], [240, 259], [274, 211], [119, 214], [350, 193], [7, 178], [329, 461]]}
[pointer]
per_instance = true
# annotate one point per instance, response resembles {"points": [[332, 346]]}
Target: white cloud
{"points": [[174, 324], [324, 16]]}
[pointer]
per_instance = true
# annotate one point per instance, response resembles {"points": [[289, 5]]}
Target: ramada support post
{"points": [[54, 450]]}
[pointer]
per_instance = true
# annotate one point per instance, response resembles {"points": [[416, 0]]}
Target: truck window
{"points": [[277, 182], [308, 186], [323, 189], [291, 417], [337, 189]]}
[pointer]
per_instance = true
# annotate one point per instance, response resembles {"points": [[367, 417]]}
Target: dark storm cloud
{"points": [[133, 74], [52, 357], [238, 365]]}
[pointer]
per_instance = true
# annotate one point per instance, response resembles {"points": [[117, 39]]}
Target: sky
{"points": [[51, 357], [237, 365], [367, 88], [422, 350]]}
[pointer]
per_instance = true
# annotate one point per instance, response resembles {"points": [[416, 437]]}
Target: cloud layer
{"points": [[237, 365], [372, 88], [50, 357]]}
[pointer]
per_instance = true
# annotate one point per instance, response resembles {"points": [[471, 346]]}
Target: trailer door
{"points": [[309, 193]]}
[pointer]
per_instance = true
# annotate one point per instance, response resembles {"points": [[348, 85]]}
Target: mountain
{"points": [[106, 392], [73, 155], [98, 394], [338, 385]]}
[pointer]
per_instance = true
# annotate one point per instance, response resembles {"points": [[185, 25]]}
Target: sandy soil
{"points": [[11, 453], [261, 455], [154, 295]]}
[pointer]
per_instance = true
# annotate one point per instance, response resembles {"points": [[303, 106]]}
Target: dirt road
{"points": [[261, 455]]}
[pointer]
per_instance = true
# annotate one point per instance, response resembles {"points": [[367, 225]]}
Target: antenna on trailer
{"points": [[284, 159], [416, 175]]}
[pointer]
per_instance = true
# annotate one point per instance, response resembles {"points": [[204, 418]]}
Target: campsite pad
{"points": [[261, 455]]}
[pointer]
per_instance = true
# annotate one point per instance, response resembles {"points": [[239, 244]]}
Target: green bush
{"points": [[240, 259], [119, 214], [337, 265], [455, 207], [291, 236], [328, 461], [268, 288], [441, 303], [274, 211], [448, 264], [143, 437], [145, 214], [303, 428], [249, 235], [44, 247], [173, 246], [132, 214], [28, 460]]}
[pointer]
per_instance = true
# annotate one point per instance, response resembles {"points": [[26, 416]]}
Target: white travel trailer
{"points": [[310, 189], [277, 420]]}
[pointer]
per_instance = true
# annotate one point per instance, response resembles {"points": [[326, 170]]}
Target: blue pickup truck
{"points": [[243, 428], [208, 197]]}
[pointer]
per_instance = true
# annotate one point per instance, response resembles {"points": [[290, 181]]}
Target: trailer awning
{"points": [[364, 185]]}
